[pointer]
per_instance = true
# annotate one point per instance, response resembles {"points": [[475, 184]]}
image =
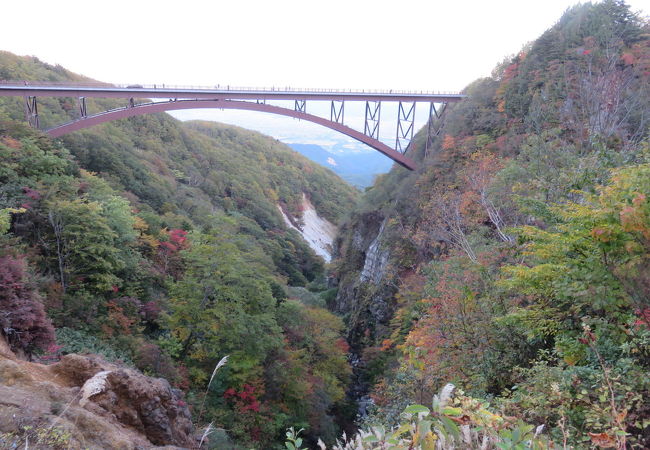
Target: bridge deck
{"points": [[254, 99], [40, 89]]}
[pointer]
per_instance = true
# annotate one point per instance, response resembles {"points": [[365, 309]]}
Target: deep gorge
{"points": [[496, 296]]}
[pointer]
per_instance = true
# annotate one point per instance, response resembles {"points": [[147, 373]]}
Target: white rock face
{"points": [[317, 231], [376, 260], [93, 386]]}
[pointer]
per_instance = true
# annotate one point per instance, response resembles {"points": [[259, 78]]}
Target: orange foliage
{"points": [[470, 207], [481, 170], [448, 142], [511, 71], [628, 59], [639, 56], [449, 334], [634, 218], [386, 344], [118, 320], [11, 142], [342, 345]]}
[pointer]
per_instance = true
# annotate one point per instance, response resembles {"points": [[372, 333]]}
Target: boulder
{"points": [[84, 401]]}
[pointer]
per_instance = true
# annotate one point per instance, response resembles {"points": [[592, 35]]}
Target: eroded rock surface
{"points": [[318, 232], [149, 405], [86, 402]]}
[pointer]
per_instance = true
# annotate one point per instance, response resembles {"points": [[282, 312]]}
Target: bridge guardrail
{"points": [[227, 87]]}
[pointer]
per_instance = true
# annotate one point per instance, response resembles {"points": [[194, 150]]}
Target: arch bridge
{"points": [[251, 99]]}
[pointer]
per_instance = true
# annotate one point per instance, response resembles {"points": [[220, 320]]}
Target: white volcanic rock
{"points": [[317, 231]]}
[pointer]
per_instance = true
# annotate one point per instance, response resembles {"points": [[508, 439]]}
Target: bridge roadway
{"points": [[253, 99], [42, 89]]}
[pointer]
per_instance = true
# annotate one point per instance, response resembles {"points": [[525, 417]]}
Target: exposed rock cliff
{"points": [[376, 260], [85, 402], [317, 231], [363, 295]]}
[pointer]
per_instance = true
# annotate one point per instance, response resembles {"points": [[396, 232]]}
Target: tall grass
{"points": [[209, 428]]}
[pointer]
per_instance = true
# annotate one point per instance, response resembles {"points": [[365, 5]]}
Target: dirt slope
{"points": [[85, 402]]}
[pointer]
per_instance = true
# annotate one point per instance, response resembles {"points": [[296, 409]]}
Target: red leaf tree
{"points": [[22, 315]]}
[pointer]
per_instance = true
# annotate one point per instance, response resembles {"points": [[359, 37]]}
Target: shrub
{"points": [[22, 316], [450, 423], [77, 341]]}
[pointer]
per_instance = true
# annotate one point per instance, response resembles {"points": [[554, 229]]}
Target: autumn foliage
{"points": [[23, 318], [528, 222]]}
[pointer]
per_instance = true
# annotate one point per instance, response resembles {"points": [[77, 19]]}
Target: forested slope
{"points": [[515, 263], [161, 245]]}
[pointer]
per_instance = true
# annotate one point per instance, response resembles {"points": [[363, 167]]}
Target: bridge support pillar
{"points": [[373, 118], [31, 112], [336, 111], [432, 129], [83, 113], [300, 106], [405, 120]]}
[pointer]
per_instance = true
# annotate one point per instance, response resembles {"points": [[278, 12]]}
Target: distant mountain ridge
{"points": [[358, 168]]}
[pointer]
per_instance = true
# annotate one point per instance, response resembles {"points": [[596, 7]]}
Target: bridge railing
{"points": [[226, 87]]}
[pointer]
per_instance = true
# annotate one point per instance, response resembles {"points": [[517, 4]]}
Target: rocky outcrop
{"points": [[376, 260], [364, 294], [317, 231], [85, 402], [149, 405]]}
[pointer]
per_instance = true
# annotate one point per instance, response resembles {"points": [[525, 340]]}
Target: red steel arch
{"points": [[148, 108]]}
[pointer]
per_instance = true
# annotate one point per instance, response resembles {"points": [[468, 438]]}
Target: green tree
{"points": [[82, 246], [584, 289], [221, 306]]}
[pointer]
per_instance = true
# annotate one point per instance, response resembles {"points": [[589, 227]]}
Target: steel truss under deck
{"points": [[254, 99]]}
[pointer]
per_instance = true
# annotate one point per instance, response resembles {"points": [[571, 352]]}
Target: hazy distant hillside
{"points": [[358, 169]]}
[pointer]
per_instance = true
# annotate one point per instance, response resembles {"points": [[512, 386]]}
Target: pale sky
{"points": [[398, 44]]}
